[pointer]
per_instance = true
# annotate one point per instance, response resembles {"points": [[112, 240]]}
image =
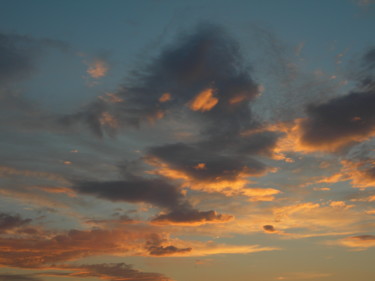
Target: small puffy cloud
{"points": [[98, 68], [204, 101], [269, 228]]}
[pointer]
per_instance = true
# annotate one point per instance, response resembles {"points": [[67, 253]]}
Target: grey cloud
{"points": [[18, 277], [185, 157], [155, 248], [364, 237], [9, 222], [18, 55], [269, 228], [154, 191], [347, 117], [205, 58], [167, 250], [191, 216]]}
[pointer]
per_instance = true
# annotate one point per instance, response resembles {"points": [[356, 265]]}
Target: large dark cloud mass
{"points": [[347, 119], [341, 120], [208, 58], [155, 191], [187, 157]]}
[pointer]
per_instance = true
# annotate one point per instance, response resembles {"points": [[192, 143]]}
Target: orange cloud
{"points": [[165, 97], [230, 186], [294, 139], [109, 120], [98, 68], [361, 174], [260, 194], [360, 242], [204, 101]]}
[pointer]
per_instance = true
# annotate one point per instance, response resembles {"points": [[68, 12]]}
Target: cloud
{"points": [[202, 70], [36, 250], [191, 217], [360, 242], [269, 228], [155, 191], [106, 271], [18, 277], [217, 173], [9, 222], [339, 122], [155, 248], [98, 68], [361, 174], [18, 55]]}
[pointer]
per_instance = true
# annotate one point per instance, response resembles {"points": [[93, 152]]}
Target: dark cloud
{"points": [[18, 55], [156, 248], [207, 58], [10, 222], [154, 191], [187, 157], [364, 237], [369, 59], [340, 121], [18, 277], [191, 216], [167, 250], [269, 228]]}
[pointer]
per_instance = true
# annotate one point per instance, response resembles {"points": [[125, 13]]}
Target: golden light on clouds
{"points": [[98, 68], [165, 97], [109, 120], [204, 101]]}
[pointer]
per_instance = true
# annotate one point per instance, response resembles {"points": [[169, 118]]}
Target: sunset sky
{"points": [[200, 140]]}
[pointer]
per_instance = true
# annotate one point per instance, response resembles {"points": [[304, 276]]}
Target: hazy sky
{"points": [[187, 140]]}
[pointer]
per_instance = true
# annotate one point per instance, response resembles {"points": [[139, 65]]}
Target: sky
{"points": [[160, 140]]}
